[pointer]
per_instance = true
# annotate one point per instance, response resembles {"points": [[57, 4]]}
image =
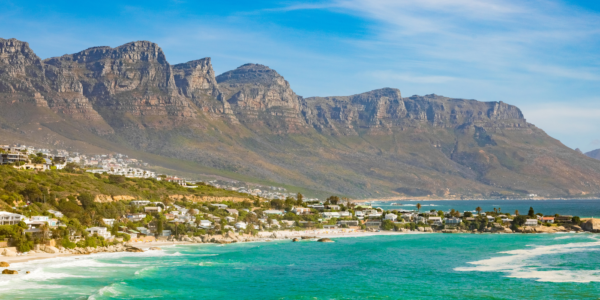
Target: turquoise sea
{"points": [[409, 266]]}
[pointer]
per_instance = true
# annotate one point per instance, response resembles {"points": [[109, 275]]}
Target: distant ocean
{"points": [[582, 208], [414, 266]]}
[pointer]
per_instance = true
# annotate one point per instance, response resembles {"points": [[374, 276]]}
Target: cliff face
{"points": [[21, 74], [196, 81], [250, 122], [262, 99], [382, 110], [130, 85]]}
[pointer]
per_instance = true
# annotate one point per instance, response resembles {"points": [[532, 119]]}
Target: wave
{"points": [[526, 263]]}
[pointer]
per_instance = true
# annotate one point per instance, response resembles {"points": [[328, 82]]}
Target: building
{"points": [[347, 223], [177, 180], [136, 217], [205, 224], [241, 225], [109, 222], [301, 210], [549, 220], [564, 219], [221, 206], [437, 221], [531, 222], [359, 214], [7, 218], [373, 224], [329, 215], [140, 202], [232, 211], [152, 209], [272, 212], [333, 207], [100, 231], [453, 221], [391, 217]]}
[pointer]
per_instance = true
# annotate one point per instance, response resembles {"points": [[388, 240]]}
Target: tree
{"points": [[531, 212], [70, 167], [159, 226], [468, 214], [478, 210], [299, 199], [86, 200], [576, 220], [333, 200], [419, 206], [116, 179], [516, 212]]}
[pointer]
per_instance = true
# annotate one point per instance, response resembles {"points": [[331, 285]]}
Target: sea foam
{"points": [[525, 263]]}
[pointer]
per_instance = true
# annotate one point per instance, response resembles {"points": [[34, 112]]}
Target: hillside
{"points": [[249, 123]]}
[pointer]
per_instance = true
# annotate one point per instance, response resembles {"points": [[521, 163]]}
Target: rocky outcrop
{"points": [[384, 109], [260, 98], [9, 272], [10, 251], [22, 77], [133, 249], [4, 264], [196, 81], [592, 225], [325, 240]]}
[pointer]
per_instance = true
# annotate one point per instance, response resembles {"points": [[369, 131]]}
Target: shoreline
{"points": [[262, 237]]}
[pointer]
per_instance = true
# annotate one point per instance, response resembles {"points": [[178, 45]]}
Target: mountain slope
{"points": [[594, 154], [248, 122]]}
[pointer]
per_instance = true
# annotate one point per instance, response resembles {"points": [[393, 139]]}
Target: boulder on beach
{"points": [[325, 240], [308, 237], [155, 248], [134, 249], [10, 272], [11, 251], [591, 225], [295, 240], [4, 264], [51, 250]]}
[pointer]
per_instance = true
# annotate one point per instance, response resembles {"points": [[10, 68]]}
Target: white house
{"points": [[205, 223], [531, 222], [359, 214], [152, 209], [136, 217], [272, 212], [391, 217], [232, 211], [100, 231], [345, 214], [221, 206], [435, 220], [139, 202], [241, 225], [453, 221], [329, 215], [109, 222], [7, 218], [229, 219]]}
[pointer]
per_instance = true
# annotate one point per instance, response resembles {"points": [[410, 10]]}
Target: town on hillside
{"points": [[42, 159]]}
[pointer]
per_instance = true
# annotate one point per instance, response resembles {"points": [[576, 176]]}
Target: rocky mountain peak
{"points": [[251, 73], [196, 80]]}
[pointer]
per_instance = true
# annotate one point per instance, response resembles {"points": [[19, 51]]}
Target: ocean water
{"points": [[409, 266], [583, 208]]}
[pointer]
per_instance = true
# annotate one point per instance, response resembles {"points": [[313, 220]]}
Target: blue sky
{"points": [[539, 55]]}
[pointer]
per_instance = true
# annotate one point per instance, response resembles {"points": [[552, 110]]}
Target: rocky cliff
{"points": [[262, 99], [249, 123]]}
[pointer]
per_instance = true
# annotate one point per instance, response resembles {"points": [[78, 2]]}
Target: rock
{"points": [[155, 248], [308, 237], [325, 240], [591, 225], [421, 229], [576, 228], [10, 252], [428, 229], [50, 249], [295, 240], [27, 272], [9, 272], [4, 264], [134, 249]]}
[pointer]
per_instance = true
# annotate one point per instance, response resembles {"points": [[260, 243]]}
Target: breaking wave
{"points": [[530, 264]]}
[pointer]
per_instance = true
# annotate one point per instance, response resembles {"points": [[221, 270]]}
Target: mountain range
{"points": [[248, 123]]}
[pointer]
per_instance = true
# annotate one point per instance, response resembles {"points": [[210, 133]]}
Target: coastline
{"points": [[390, 199], [263, 236]]}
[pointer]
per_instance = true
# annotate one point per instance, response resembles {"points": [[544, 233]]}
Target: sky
{"points": [[541, 55]]}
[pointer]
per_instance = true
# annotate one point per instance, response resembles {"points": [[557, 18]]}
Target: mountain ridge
{"points": [[250, 121]]}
